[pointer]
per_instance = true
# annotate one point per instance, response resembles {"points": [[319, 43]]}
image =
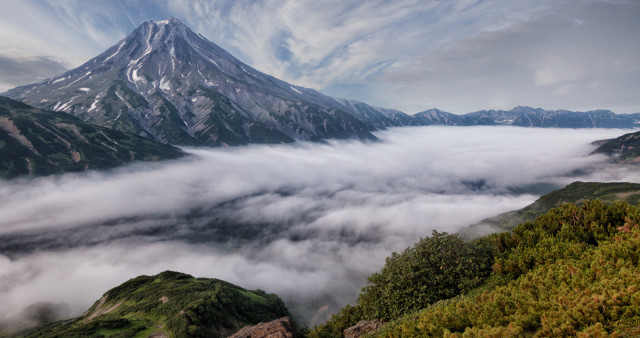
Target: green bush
{"points": [[562, 232], [437, 267]]}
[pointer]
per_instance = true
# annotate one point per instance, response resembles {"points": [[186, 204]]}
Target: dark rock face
{"points": [[363, 327], [279, 328]]}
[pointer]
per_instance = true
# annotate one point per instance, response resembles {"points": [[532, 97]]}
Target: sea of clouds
{"points": [[307, 221]]}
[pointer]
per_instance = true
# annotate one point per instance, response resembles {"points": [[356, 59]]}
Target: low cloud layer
{"points": [[306, 221]]}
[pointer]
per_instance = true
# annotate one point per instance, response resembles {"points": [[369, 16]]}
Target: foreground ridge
{"points": [[574, 271], [169, 304]]}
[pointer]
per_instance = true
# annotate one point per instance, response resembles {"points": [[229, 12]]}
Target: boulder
{"points": [[363, 327], [279, 328]]}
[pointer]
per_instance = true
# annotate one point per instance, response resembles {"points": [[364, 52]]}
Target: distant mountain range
{"points": [[531, 117], [38, 142], [167, 83]]}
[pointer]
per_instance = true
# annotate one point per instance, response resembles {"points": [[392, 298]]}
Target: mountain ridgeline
{"points": [[576, 193], [167, 83], [531, 117], [37, 142]]}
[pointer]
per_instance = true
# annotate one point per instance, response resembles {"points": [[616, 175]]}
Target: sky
{"points": [[410, 55], [306, 221]]}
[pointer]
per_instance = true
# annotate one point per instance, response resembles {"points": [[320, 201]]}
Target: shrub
{"points": [[572, 272], [437, 267]]}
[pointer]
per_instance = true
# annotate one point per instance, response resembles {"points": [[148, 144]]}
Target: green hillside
{"points": [[574, 271], [37, 142], [625, 148], [170, 304], [576, 192]]}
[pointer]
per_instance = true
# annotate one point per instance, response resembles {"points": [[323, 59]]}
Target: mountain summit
{"points": [[165, 82]]}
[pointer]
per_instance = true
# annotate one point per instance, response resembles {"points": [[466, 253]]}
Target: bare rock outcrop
{"points": [[279, 328], [363, 327]]}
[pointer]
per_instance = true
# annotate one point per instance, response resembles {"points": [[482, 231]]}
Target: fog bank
{"points": [[306, 221]]}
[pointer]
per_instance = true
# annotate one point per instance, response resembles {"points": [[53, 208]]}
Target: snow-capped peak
{"points": [[166, 82]]}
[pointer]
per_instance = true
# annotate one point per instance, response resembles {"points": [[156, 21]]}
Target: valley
{"points": [[309, 225], [167, 187]]}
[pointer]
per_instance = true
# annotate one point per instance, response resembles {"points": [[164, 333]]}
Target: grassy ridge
{"points": [[625, 148], [170, 303], [576, 192]]}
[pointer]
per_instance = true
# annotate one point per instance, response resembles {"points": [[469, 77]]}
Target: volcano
{"points": [[167, 83]]}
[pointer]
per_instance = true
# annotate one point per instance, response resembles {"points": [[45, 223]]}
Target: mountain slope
{"points": [[168, 83], [625, 148], [38, 142], [573, 272], [576, 192], [438, 117], [170, 304], [378, 117]]}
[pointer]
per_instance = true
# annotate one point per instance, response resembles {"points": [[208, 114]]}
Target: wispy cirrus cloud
{"points": [[34, 33], [320, 44]]}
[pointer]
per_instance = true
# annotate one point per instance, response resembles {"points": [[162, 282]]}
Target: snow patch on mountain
{"points": [[94, 104], [116, 52], [134, 75]]}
